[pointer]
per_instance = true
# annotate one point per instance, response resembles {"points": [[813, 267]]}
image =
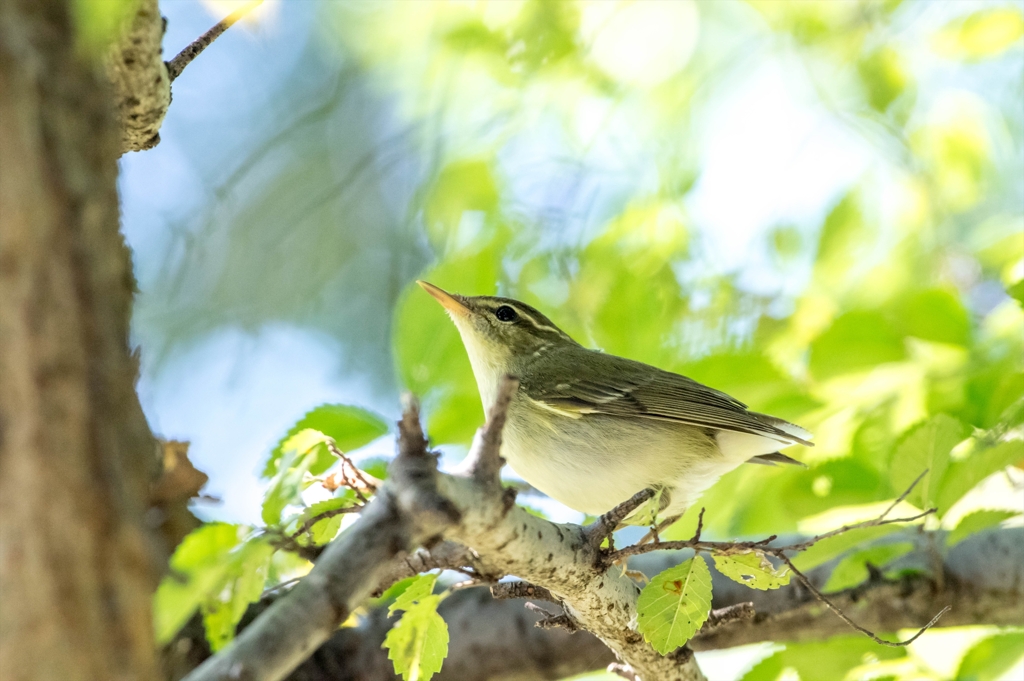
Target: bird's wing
{"points": [[596, 383]]}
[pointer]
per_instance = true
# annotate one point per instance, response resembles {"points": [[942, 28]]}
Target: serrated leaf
{"points": [[418, 589], [975, 522], [350, 428], [198, 567], [753, 569], [327, 528], [300, 452], [244, 585], [992, 657], [674, 605], [853, 569], [830, 548], [963, 475], [418, 644], [925, 446]]}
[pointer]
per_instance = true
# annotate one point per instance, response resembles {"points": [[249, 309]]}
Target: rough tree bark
{"points": [[77, 567]]}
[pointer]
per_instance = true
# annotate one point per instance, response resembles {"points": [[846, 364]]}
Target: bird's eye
{"points": [[505, 314]]}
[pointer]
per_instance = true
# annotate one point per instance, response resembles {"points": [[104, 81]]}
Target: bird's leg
{"points": [[656, 528]]}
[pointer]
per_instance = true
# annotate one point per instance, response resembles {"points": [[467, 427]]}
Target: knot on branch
{"points": [[484, 461], [519, 589], [413, 477]]}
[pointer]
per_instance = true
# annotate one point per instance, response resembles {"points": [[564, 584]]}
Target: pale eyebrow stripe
{"points": [[494, 305]]}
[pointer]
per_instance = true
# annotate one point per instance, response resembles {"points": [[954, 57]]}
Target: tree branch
{"points": [[405, 511], [185, 57]]}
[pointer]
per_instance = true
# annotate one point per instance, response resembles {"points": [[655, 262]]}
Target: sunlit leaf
{"points": [[674, 605], [418, 588], [753, 569], [833, 547], [991, 658], [963, 475], [99, 24], [983, 34], [977, 521], [199, 564], [853, 569], [418, 644], [245, 580], [300, 452], [934, 315], [926, 446], [465, 185], [349, 427], [1016, 291], [884, 76], [829, 660], [856, 341]]}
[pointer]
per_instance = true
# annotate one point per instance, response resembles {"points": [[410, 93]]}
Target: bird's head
{"points": [[499, 333]]}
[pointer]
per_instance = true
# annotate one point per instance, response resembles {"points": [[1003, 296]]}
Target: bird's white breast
{"points": [[591, 463]]}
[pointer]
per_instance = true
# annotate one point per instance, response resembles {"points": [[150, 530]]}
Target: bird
{"points": [[590, 429]]}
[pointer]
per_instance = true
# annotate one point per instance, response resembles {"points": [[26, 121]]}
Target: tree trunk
{"points": [[77, 568]]}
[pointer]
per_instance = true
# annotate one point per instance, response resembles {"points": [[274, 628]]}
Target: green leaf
{"points": [[98, 24], [857, 340], [418, 588], [853, 569], [1016, 291], [992, 657], [753, 569], [980, 35], [325, 529], [934, 315], [884, 76], [246, 577], [349, 427], [963, 475], [198, 567], [975, 522], [925, 446], [829, 660], [300, 451], [418, 644], [830, 548], [674, 605], [464, 185]]}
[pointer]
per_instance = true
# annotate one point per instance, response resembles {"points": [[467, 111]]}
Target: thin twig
{"points": [[185, 57], [653, 534], [762, 545], [696, 544], [843, 616], [488, 463], [352, 477], [310, 522]]}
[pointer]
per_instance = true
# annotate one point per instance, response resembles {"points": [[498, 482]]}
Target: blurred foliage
{"points": [[550, 151], [99, 24]]}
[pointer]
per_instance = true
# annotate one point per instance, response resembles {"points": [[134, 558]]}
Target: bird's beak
{"points": [[450, 302]]}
